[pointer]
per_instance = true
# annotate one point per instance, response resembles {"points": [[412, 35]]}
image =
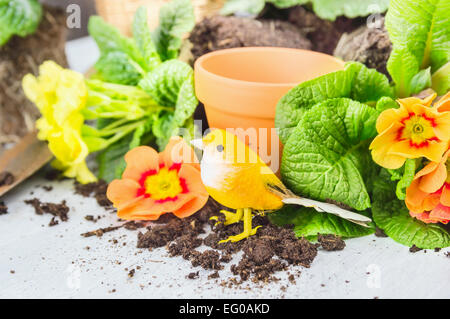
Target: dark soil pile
{"points": [[57, 210], [323, 34], [17, 114], [219, 32], [96, 189], [370, 46], [272, 249], [6, 178], [3, 208]]}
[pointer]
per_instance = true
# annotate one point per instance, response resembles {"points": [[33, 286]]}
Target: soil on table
{"points": [[60, 211], [331, 242], [3, 208], [272, 249], [17, 114], [96, 189], [219, 32]]}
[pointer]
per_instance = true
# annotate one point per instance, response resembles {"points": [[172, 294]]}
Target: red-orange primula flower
{"points": [[413, 130], [154, 184], [428, 196]]}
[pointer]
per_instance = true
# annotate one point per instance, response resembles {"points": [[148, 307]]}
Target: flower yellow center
{"points": [[165, 184], [418, 129]]}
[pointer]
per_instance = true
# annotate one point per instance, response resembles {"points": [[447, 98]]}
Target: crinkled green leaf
{"points": [[109, 39], [326, 9], [143, 38], [391, 215], [175, 19], [308, 222], [404, 175], [249, 7], [386, 103], [331, 9], [165, 82], [118, 67], [327, 157], [420, 34], [287, 3], [18, 17], [355, 82], [171, 84]]}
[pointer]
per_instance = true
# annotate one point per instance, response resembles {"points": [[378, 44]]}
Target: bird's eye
{"points": [[220, 148]]}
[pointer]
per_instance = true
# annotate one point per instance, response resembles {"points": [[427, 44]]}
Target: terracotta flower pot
{"points": [[240, 87]]}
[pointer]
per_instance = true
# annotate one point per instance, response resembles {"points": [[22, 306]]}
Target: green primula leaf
{"points": [[386, 103], [355, 82], [111, 161], [287, 3], [391, 215], [175, 19], [165, 82], [143, 38], [420, 34], [440, 80], [250, 7], [171, 84], [331, 9], [118, 67], [109, 39], [18, 17], [325, 9], [421, 81], [404, 175], [327, 157], [308, 223]]}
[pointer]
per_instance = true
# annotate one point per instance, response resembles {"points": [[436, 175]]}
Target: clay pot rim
{"points": [[234, 82]]}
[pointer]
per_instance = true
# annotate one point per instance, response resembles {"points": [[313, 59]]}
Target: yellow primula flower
{"points": [[60, 95], [413, 130]]}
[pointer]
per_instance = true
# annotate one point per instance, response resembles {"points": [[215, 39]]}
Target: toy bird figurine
{"points": [[236, 177]]}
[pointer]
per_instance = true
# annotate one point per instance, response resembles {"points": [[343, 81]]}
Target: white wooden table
{"points": [[37, 261]]}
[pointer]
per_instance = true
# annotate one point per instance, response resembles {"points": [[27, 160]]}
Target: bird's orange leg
{"points": [[248, 230]]}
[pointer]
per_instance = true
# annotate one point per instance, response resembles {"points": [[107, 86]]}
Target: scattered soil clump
{"points": [[370, 46], [380, 233], [219, 32], [99, 232], [414, 249], [57, 210], [98, 189], [3, 208], [331, 242], [6, 178]]}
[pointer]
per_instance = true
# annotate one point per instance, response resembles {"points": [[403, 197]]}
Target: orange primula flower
{"points": [[413, 130], [154, 184], [428, 196], [443, 105]]}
